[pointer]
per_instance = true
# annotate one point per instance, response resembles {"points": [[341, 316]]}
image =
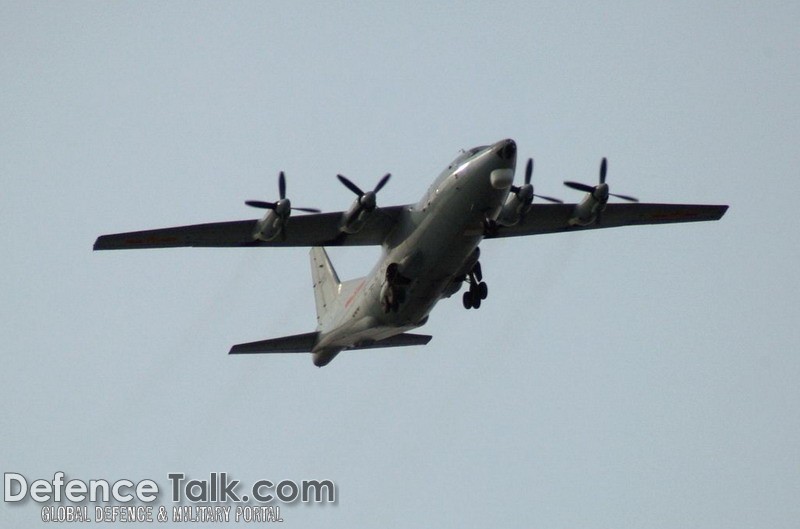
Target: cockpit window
{"points": [[476, 150], [466, 155]]}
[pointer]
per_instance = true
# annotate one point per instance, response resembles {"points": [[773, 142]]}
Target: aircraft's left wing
{"points": [[554, 218], [320, 229]]}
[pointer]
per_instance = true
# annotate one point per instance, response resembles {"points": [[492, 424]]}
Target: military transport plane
{"points": [[430, 249]]}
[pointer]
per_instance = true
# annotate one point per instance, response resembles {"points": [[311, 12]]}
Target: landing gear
{"points": [[476, 270], [394, 290], [394, 297], [490, 228], [478, 290], [471, 301]]}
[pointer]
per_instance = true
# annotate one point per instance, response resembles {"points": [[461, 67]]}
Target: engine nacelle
{"points": [[354, 218], [517, 206], [274, 222], [269, 228], [587, 211]]}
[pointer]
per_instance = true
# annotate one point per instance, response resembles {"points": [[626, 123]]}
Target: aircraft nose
{"points": [[503, 176], [506, 149]]}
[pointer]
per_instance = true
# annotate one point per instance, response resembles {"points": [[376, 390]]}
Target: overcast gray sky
{"points": [[638, 377]]}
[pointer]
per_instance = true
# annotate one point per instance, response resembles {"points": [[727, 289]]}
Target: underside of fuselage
{"points": [[467, 195]]}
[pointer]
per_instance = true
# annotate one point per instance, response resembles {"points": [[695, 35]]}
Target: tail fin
{"points": [[326, 283]]}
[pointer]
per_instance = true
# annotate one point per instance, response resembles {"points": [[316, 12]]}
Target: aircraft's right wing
{"points": [[554, 218], [319, 229]]}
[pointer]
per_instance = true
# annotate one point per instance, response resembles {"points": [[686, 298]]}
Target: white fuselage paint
{"points": [[432, 243]]}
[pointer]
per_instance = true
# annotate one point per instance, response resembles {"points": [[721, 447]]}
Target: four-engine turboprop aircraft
{"points": [[430, 249]]}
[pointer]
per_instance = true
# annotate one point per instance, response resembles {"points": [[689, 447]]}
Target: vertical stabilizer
{"points": [[326, 283]]}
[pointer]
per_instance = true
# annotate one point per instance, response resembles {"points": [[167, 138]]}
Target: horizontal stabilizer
{"points": [[304, 343], [398, 340], [299, 343]]}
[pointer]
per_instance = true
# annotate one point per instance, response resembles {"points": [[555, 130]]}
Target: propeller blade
{"points": [[282, 185], [382, 182], [350, 185], [284, 202], [529, 171], [579, 186], [624, 197], [603, 170], [550, 199], [261, 204]]}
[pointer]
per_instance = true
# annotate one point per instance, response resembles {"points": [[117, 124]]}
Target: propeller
{"points": [[600, 191], [283, 206], [367, 201], [525, 192]]}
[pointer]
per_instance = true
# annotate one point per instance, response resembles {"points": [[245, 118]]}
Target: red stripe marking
{"points": [[353, 295]]}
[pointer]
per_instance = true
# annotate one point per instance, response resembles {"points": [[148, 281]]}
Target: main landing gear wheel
{"points": [[471, 301], [478, 290], [472, 297], [483, 290]]}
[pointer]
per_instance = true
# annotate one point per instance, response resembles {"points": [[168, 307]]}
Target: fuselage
{"points": [[432, 248]]}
